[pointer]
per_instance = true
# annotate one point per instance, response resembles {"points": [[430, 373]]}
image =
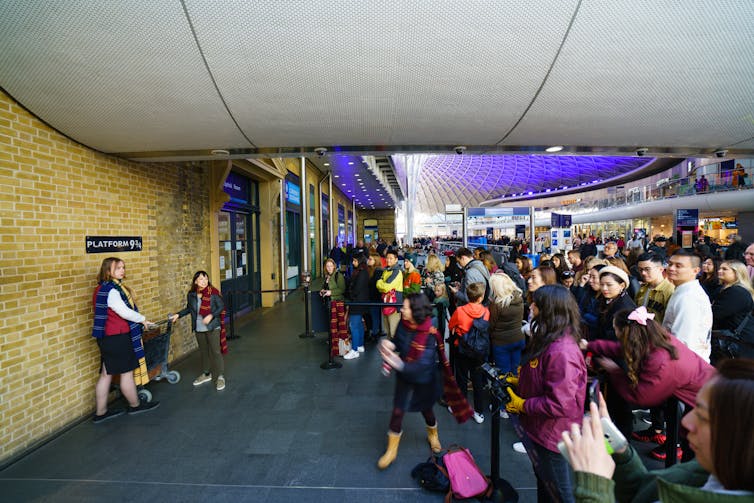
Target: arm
{"points": [[562, 383], [217, 305], [115, 303], [611, 349]]}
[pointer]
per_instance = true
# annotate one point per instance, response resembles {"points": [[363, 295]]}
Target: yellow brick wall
{"points": [[385, 223], [54, 192]]}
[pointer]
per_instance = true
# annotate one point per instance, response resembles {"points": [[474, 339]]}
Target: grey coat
{"points": [[216, 305]]}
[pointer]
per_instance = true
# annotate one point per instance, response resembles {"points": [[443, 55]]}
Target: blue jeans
{"points": [[553, 471], [376, 315], [357, 331], [508, 357]]}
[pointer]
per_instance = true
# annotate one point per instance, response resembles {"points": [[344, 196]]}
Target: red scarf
{"points": [[462, 411], [205, 309]]}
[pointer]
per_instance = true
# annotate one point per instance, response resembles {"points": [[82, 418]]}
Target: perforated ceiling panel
{"points": [[173, 79]]}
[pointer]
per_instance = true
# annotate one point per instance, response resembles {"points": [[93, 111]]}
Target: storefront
{"points": [[238, 234]]}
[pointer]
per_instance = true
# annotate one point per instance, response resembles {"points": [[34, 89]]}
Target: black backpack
{"points": [[475, 343]]}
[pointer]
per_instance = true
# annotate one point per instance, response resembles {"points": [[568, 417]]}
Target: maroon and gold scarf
{"points": [[205, 309], [451, 392]]}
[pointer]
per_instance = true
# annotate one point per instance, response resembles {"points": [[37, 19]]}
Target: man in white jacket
{"points": [[688, 315]]}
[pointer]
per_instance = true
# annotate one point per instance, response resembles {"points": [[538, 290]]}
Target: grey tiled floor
{"points": [[283, 430]]}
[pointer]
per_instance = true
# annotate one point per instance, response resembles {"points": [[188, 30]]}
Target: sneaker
{"points": [[519, 447], [659, 453], [351, 355], [220, 385], [111, 413], [479, 418], [504, 415], [361, 349], [202, 379], [142, 407], [649, 435]]}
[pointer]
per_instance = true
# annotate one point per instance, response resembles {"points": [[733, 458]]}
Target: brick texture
{"points": [[54, 192]]}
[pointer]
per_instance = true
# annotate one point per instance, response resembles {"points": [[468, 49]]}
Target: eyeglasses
{"points": [[567, 274]]}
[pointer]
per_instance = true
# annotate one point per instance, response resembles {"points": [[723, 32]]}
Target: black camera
{"points": [[496, 383]]}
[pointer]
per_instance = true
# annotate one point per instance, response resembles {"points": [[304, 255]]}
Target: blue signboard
{"points": [[292, 193], [237, 187], [687, 218], [498, 212], [560, 220]]}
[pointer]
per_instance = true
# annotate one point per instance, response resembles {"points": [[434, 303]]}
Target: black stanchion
{"points": [[672, 420], [231, 314], [503, 491], [308, 332]]}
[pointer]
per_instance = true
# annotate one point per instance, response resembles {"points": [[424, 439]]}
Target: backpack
{"points": [[466, 479], [432, 475], [475, 343]]}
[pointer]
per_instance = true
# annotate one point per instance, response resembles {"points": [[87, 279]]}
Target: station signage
{"points": [[687, 218], [560, 220], [112, 244]]}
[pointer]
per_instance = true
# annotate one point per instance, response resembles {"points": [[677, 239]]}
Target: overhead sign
{"points": [[560, 220], [110, 244], [498, 212], [687, 218]]}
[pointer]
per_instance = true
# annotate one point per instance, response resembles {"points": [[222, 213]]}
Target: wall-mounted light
{"points": [[554, 148]]}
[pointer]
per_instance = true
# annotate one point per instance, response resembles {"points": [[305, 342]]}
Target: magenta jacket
{"points": [[554, 386], [660, 377]]}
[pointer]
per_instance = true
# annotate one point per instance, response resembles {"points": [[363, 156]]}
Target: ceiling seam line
{"points": [[547, 75], [211, 76], [742, 141]]}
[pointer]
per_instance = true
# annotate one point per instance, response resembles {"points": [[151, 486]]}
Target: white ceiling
{"points": [[168, 79]]}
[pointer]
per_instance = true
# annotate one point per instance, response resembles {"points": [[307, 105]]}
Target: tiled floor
{"points": [[283, 430]]}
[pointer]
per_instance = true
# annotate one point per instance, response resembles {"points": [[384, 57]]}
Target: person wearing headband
{"points": [[657, 365]]}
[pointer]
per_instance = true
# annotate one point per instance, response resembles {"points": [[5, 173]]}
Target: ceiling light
{"points": [[554, 148], [336, 176], [219, 153], [327, 164], [343, 184], [350, 163]]}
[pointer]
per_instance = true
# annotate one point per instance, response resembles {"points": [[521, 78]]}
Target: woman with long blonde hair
{"points": [[733, 303], [506, 316]]}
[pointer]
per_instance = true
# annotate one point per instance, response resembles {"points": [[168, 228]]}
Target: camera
{"points": [[721, 153], [460, 149], [496, 383], [641, 152], [320, 151]]}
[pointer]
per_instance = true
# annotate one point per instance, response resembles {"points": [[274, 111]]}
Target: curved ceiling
{"points": [[175, 79]]}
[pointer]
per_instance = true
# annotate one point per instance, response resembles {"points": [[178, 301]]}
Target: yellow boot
{"points": [[433, 438], [393, 439]]}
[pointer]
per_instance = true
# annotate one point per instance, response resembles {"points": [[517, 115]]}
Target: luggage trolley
{"points": [[156, 347]]}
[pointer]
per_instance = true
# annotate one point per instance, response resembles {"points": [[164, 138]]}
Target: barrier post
{"points": [[231, 320], [306, 278], [672, 419]]}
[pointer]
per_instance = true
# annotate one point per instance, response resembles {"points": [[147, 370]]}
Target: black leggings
{"points": [[396, 420]]}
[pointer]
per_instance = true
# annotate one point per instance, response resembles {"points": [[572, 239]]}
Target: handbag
{"points": [[731, 343], [432, 475], [389, 298]]}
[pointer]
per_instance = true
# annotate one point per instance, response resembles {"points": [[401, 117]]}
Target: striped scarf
{"points": [[205, 308], [451, 392], [141, 376]]}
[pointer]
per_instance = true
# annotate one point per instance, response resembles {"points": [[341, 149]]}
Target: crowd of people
{"points": [[637, 316]]}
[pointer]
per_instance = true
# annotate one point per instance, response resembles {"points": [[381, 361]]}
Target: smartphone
{"points": [[614, 439], [594, 392]]}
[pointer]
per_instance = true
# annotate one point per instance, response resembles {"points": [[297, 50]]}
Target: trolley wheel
{"points": [[145, 395], [173, 377]]}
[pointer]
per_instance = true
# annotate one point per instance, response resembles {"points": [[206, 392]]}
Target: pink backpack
{"points": [[466, 479]]}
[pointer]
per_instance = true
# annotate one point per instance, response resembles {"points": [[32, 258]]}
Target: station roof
{"points": [[176, 80]]}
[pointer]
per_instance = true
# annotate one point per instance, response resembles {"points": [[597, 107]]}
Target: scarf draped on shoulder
{"points": [[458, 404], [206, 308]]}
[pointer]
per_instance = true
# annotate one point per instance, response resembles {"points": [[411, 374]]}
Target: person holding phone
{"points": [[722, 471]]}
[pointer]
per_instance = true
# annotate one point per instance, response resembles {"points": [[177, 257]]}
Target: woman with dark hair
{"points": [[205, 304], [613, 287], [708, 277], [559, 264], [358, 291], [589, 298], [413, 355], [551, 387], [374, 268], [656, 365], [719, 433]]}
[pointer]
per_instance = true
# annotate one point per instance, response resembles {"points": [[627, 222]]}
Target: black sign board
{"points": [[560, 220], [109, 244], [687, 218]]}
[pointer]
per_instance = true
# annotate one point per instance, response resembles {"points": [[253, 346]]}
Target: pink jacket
{"points": [[660, 377], [554, 386]]}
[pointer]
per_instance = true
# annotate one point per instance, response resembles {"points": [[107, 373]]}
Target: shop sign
{"points": [[111, 244]]}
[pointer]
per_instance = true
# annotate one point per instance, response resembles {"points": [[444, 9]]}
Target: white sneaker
{"points": [[351, 355], [519, 447], [479, 418], [361, 349], [202, 379], [504, 415], [220, 383]]}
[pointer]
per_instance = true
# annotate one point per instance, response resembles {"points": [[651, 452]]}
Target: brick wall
{"points": [[54, 192], [385, 223]]}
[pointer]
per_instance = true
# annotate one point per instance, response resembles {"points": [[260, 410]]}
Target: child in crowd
{"points": [[460, 323]]}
